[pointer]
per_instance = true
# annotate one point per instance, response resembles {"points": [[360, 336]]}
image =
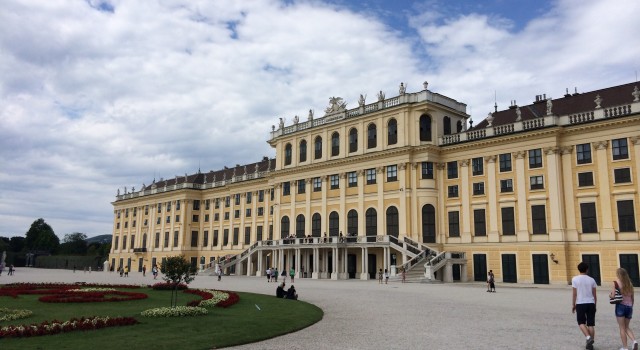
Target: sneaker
{"points": [[635, 345], [589, 345]]}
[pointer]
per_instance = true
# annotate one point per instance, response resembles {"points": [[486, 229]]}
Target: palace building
{"points": [[409, 182]]}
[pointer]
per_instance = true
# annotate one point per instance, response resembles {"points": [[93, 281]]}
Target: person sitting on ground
{"points": [[280, 293], [291, 293]]}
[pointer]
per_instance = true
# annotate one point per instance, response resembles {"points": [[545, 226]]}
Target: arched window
{"points": [[303, 151], [315, 225], [392, 132], [425, 128], [447, 125], [284, 227], [372, 136], [300, 226], [352, 223], [459, 126], [334, 223], [287, 154], [392, 222], [353, 140], [428, 224], [335, 144], [318, 147], [144, 241], [371, 222]]}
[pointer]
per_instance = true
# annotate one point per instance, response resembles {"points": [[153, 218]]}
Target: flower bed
{"points": [[91, 297], [178, 311], [93, 290], [13, 314], [169, 286], [15, 289], [55, 327], [217, 297], [202, 293], [233, 299]]}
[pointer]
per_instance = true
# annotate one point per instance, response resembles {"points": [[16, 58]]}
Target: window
{"points": [[205, 239], [166, 239], [583, 153], [159, 208], [425, 128], [258, 233], [620, 149], [508, 221], [286, 188], [206, 217], [318, 147], [300, 226], [371, 176], [478, 188], [287, 154], [622, 175], [371, 222], [452, 191], [175, 239], [284, 226], [454, 224], [452, 170], [177, 218], [217, 203], [479, 222], [168, 219], [168, 206], [506, 185], [146, 210], [335, 144], [126, 213], [227, 201], [126, 224], [535, 158], [118, 226], [196, 204], [505, 162], [216, 217], [236, 235], [536, 182], [194, 238], [249, 197], [393, 228], [315, 225], [372, 136], [352, 222], [334, 181], [353, 140], [260, 211], [538, 219], [477, 166], [588, 217], [585, 179], [247, 212], [226, 215], [124, 242], [236, 199], [317, 184], [195, 218], [177, 205], [392, 173], [157, 221], [334, 224], [156, 240], [427, 170], [352, 178], [392, 132], [247, 235], [207, 204], [236, 214], [626, 216], [214, 241], [446, 121], [303, 151], [302, 186], [261, 196], [135, 212], [225, 237]]}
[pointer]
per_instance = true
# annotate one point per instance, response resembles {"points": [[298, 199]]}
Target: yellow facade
{"points": [[571, 162]]}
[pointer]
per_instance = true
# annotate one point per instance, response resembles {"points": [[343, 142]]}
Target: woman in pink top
{"points": [[624, 310]]}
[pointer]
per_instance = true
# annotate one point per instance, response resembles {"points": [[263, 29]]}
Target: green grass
{"points": [[239, 324]]}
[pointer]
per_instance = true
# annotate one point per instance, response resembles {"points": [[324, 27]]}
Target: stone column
{"points": [[361, 211], [556, 209], [465, 215], [607, 232], [414, 210], [571, 231], [381, 218], [494, 234], [323, 207], [343, 200], [307, 209], [402, 212], [521, 190], [260, 264], [336, 270], [442, 198], [316, 264]]}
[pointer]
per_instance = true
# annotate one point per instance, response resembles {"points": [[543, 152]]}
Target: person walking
{"points": [[292, 274], [492, 282], [154, 271], [268, 274], [144, 270], [584, 303], [380, 276], [11, 269], [624, 310], [386, 276], [404, 275], [126, 271]]}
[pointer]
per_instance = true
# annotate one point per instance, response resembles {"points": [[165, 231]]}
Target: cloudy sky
{"points": [[97, 95]]}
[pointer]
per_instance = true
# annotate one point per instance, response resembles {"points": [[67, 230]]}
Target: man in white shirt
{"points": [[584, 303]]}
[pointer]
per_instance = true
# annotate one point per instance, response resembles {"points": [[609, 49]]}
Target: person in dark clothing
{"points": [[280, 293], [291, 293]]}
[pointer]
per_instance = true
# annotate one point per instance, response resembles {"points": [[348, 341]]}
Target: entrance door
{"points": [[594, 266], [629, 262], [540, 269], [480, 267], [509, 270], [351, 265], [129, 263], [371, 260], [139, 264], [330, 262], [194, 263], [456, 272]]}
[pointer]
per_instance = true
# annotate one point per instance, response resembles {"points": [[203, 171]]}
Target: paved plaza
{"points": [[366, 315]]}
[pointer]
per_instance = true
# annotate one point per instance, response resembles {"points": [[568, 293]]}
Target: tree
{"points": [[41, 237], [16, 244], [74, 244], [176, 269]]}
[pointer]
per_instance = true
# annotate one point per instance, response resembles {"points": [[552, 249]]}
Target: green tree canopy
{"points": [[176, 269], [41, 237], [74, 244], [16, 244]]}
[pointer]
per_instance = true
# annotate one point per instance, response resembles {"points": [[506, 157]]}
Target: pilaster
{"points": [[464, 195], [494, 235], [521, 190], [556, 209], [607, 232]]}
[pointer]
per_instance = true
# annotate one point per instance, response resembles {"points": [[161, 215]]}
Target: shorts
{"points": [[624, 311], [586, 314]]}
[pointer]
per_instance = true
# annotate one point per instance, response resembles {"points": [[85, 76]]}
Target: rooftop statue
{"points": [[380, 96], [310, 118], [281, 124], [296, 120], [549, 106], [336, 104], [361, 100], [402, 89]]}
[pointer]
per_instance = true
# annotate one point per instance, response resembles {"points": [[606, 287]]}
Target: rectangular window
{"points": [[168, 206], [585, 179], [214, 242], [506, 185], [258, 233], [477, 166], [536, 182], [538, 219], [452, 191], [196, 204], [454, 224], [583, 153], [216, 217], [175, 238], [352, 178], [588, 217], [207, 205], [146, 210], [194, 238], [168, 219], [135, 212], [272, 194], [217, 203], [479, 222], [622, 175], [159, 207], [166, 239], [146, 222], [124, 242], [177, 218], [286, 188], [133, 240], [126, 213], [226, 215], [126, 224], [247, 212], [205, 239], [260, 211], [156, 240], [535, 158], [317, 184], [158, 220], [452, 170], [261, 196], [195, 218], [302, 186], [236, 235], [236, 214], [236, 199], [249, 197], [427, 170], [177, 205], [118, 225], [478, 188], [116, 242], [508, 221], [206, 217], [225, 237], [626, 216], [620, 149], [334, 181], [392, 173], [247, 235], [371, 176], [227, 201]]}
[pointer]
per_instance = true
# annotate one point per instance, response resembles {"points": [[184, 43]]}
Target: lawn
{"points": [[255, 317]]}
